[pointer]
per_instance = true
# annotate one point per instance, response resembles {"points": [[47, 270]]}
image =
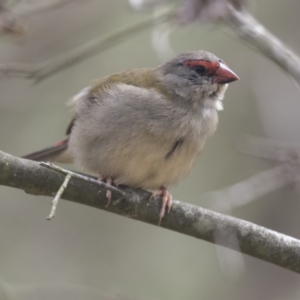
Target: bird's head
{"points": [[196, 75]]}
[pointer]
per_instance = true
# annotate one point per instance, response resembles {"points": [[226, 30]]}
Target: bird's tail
{"points": [[58, 152]]}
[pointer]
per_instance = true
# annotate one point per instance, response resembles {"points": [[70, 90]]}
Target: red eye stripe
{"points": [[210, 66]]}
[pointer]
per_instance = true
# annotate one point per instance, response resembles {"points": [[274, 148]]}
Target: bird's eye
{"points": [[200, 70]]}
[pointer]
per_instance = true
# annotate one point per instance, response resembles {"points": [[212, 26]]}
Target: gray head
{"points": [[196, 70]]}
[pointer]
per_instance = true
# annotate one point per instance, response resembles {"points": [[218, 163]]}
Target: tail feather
{"points": [[58, 152]]}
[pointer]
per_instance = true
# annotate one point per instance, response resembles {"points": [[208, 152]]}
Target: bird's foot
{"points": [[109, 182], [166, 201]]}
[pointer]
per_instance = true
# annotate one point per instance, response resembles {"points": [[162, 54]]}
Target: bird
{"points": [[145, 127]]}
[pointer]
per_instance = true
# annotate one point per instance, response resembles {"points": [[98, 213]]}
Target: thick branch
{"points": [[185, 218]]}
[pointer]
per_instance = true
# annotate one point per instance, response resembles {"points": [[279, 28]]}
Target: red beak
{"points": [[224, 75]]}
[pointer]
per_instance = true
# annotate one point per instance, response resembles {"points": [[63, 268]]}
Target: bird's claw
{"points": [[166, 201], [109, 182]]}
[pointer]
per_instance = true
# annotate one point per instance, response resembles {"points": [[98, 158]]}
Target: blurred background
{"points": [[84, 253]]}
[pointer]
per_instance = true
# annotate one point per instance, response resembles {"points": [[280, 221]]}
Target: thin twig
{"points": [[42, 71], [266, 148], [58, 195], [241, 193], [287, 172], [254, 33], [234, 13], [82, 177], [257, 186], [13, 17], [37, 9]]}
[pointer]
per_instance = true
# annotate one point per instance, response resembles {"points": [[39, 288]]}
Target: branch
{"points": [[44, 70], [276, 150], [286, 172], [254, 33], [39, 8], [234, 14], [185, 218], [13, 15], [253, 188]]}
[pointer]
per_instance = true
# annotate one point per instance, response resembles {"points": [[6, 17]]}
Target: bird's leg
{"points": [[110, 182], [166, 201]]}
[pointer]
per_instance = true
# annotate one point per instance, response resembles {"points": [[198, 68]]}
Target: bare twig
{"points": [[57, 196], [19, 70], [278, 151], [44, 70], [247, 28], [207, 11], [145, 4], [185, 218], [254, 33], [285, 173], [84, 178], [37, 9], [13, 16], [246, 191]]}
